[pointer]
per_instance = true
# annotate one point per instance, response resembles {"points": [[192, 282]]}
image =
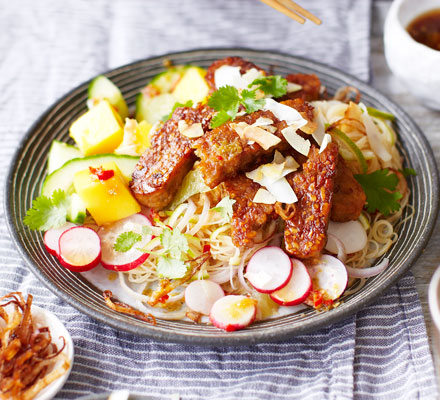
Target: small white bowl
{"points": [[42, 317], [434, 298], [416, 65]]}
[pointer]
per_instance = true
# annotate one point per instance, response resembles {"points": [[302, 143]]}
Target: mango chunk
{"points": [[136, 138], [99, 130], [192, 86], [105, 194]]}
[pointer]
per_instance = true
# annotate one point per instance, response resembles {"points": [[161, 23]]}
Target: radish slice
{"points": [[368, 272], [123, 261], [52, 236], [297, 289], [329, 277], [80, 249], [269, 269], [233, 312], [201, 295], [352, 234]]}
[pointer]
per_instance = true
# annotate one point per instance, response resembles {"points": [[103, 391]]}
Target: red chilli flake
{"points": [[206, 248], [164, 298], [102, 174]]}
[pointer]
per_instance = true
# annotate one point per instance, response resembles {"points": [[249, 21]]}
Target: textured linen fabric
{"points": [[49, 47]]}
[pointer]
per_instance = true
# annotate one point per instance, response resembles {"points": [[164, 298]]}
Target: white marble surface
{"points": [[429, 122]]}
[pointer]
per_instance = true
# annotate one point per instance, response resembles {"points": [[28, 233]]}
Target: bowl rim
{"points": [[242, 337], [393, 16]]}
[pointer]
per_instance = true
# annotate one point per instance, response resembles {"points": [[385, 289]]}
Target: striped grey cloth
{"points": [[49, 47]]}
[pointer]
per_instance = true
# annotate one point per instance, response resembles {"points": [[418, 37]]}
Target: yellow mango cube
{"points": [[98, 131], [192, 86], [105, 194]]}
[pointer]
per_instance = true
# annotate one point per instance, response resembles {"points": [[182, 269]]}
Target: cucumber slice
{"points": [[166, 81], [77, 212], [62, 178], [153, 109], [103, 88], [59, 154]]}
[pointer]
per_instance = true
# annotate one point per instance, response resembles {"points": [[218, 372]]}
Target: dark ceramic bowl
{"points": [[28, 171]]}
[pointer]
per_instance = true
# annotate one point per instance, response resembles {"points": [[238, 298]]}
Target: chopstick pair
{"points": [[292, 10]]}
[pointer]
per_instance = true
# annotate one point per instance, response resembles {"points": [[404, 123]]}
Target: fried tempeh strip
{"points": [[311, 87], [163, 166], [248, 217], [305, 233], [224, 154], [348, 196]]}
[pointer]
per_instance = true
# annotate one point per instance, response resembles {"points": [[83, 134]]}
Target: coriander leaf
{"points": [[170, 268], [47, 213], [174, 242], [249, 101], [126, 240], [380, 187], [224, 207], [274, 85], [408, 172], [226, 99], [189, 103], [219, 119]]}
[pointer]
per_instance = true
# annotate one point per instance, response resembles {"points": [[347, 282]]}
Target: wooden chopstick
{"points": [[283, 9], [291, 9], [298, 9]]}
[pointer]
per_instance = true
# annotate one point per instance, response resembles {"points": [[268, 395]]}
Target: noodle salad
{"points": [[231, 196]]}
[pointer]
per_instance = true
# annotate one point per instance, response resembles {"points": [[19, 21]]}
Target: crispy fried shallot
{"points": [[126, 309], [27, 353]]}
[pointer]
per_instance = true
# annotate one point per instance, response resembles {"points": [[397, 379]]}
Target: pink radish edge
{"points": [[123, 261], [80, 249], [269, 269], [244, 314], [297, 289], [52, 237]]}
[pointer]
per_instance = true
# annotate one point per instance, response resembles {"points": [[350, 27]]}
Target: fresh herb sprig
{"points": [[227, 99], [126, 240], [380, 188], [48, 212]]}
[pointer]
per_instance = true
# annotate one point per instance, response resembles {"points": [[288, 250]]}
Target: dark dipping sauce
{"points": [[425, 29]]}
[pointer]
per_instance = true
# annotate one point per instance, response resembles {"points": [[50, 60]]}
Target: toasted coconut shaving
{"points": [[346, 93], [126, 309], [27, 354]]}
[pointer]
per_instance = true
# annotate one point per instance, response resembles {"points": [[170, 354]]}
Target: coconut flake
{"points": [[267, 174], [190, 131], [319, 132], [239, 128], [262, 121], [374, 136], [285, 113], [265, 139], [231, 76], [327, 139], [282, 191], [300, 144], [227, 75], [263, 196], [249, 76], [293, 87]]}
